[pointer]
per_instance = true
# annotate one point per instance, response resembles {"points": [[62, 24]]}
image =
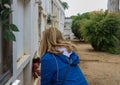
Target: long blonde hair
{"points": [[52, 39]]}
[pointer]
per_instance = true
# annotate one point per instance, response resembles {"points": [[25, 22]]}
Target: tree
{"points": [[102, 32], [65, 5]]}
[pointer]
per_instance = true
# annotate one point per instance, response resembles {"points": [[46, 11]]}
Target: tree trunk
{"points": [[113, 5]]}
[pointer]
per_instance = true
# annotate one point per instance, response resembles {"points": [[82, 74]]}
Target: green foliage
{"points": [[4, 1], [111, 26], [49, 20], [8, 28], [76, 26], [83, 24], [8, 35], [103, 32], [100, 29], [65, 5]]}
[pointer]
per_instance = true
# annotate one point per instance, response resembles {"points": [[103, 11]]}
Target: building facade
{"points": [[55, 10], [68, 34], [25, 16], [30, 16]]}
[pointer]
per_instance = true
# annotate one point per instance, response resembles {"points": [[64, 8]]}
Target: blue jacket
{"points": [[53, 69]]}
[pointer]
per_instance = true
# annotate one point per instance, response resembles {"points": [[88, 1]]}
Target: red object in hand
{"points": [[36, 67]]}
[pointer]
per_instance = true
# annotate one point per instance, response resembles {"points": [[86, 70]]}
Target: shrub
{"points": [[103, 32], [76, 26]]}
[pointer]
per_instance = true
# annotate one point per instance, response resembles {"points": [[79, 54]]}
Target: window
{"points": [[5, 60], [6, 57]]}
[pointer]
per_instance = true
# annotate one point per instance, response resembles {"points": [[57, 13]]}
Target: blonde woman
{"points": [[59, 62]]}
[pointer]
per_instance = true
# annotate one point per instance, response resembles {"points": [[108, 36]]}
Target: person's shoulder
{"points": [[47, 56], [74, 53]]}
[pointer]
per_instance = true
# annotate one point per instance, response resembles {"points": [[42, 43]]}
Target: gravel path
{"points": [[99, 68]]}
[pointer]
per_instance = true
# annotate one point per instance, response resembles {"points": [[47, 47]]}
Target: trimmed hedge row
{"points": [[101, 30]]}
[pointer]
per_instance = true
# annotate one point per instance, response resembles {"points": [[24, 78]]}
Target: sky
{"points": [[82, 6]]}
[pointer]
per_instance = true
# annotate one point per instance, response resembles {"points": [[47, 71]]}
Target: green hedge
{"points": [[103, 32], [100, 29]]}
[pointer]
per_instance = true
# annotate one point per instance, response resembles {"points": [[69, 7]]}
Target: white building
{"points": [[25, 17], [30, 16], [55, 9], [68, 34], [61, 16]]}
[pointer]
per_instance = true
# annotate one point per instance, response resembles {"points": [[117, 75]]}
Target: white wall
{"points": [[19, 48], [25, 16], [42, 23], [43, 4], [34, 27], [61, 20], [44, 14], [50, 7], [47, 9], [19, 15], [61, 16], [119, 5], [27, 28], [67, 30]]}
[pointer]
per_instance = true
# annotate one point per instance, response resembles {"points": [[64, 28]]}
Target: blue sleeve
{"points": [[75, 58], [47, 71]]}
